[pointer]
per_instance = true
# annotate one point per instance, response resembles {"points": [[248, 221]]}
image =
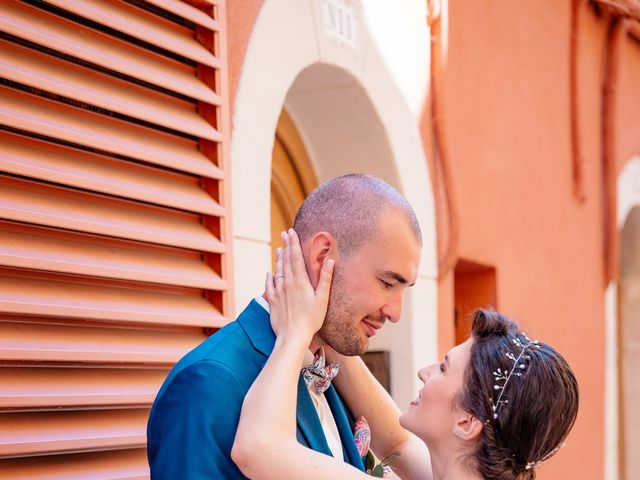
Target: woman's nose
{"points": [[423, 373]]}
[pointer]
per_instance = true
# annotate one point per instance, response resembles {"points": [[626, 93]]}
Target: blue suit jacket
{"points": [[194, 418]]}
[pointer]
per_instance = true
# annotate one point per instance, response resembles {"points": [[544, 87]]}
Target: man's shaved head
{"points": [[349, 208]]}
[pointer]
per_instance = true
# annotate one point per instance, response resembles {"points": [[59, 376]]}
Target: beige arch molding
{"points": [[628, 196], [285, 61]]}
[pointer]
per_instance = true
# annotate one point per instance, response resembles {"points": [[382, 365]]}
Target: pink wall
{"points": [[506, 113], [241, 16], [628, 103]]}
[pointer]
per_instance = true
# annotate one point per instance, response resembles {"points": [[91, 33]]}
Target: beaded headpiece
{"points": [[502, 377], [537, 463]]}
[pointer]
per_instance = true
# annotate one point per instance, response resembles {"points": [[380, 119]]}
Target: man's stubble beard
{"points": [[340, 329]]}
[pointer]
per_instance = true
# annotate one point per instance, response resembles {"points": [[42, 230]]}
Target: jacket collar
{"points": [[254, 320]]}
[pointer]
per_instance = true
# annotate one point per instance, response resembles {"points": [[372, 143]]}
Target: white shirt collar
{"points": [[263, 303]]}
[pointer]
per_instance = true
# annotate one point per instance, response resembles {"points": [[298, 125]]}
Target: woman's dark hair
{"points": [[541, 403]]}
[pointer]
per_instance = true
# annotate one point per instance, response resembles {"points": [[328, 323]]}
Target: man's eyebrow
{"points": [[397, 277], [446, 359]]}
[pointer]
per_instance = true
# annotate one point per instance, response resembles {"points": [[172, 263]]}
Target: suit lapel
{"points": [[308, 422], [351, 454], [255, 322]]}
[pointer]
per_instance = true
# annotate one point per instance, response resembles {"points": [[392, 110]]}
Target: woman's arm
{"points": [[366, 397], [266, 447]]}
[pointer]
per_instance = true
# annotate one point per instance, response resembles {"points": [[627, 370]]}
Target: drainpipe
{"points": [[615, 33], [447, 253], [577, 160], [608, 166]]}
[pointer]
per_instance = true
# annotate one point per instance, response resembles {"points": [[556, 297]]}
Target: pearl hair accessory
{"points": [[519, 364], [537, 463], [502, 378]]}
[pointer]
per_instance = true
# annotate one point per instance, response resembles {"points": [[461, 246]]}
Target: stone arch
{"points": [[352, 116], [628, 202]]}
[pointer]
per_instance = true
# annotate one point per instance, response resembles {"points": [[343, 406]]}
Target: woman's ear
{"points": [[322, 245], [467, 427]]}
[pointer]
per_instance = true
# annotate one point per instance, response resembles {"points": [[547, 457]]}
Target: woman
{"points": [[495, 408]]}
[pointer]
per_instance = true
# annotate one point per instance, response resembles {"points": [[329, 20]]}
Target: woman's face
{"points": [[432, 415]]}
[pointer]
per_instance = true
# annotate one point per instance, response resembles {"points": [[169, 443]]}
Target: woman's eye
{"points": [[442, 367]]}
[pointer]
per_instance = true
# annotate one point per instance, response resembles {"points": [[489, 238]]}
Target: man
{"points": [[372, 233]]}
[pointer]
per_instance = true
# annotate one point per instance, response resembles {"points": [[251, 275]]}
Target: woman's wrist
{"points": [[293, 340]]}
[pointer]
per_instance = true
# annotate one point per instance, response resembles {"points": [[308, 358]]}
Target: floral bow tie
{"points": [[318, 374]]}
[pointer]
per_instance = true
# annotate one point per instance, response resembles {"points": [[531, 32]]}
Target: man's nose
{"points": [[393, 309]]}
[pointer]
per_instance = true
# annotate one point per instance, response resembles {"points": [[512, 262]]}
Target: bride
{"points": [[496, 407]]}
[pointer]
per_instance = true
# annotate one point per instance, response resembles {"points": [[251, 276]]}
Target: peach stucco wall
{"points": [[628, 103], [241, 16], [506, 113]]}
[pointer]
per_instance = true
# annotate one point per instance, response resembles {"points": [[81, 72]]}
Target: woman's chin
{"points": [[411, 422], [405, 422]]}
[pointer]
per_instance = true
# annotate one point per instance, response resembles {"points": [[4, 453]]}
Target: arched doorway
{"points": [[629, 341], [622, 304], [292, 178]]}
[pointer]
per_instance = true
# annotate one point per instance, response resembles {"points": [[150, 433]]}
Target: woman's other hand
{"points": [[297, 309]]}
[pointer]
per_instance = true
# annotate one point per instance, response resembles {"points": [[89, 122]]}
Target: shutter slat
{"points": [[29, 296], [64, 344], [117, 465], [58, 208], [187, 11], [33, 388], [61, 255], [41, 433], [52, 119], [202, 3], [142, 25], [94, 47], [75, 168], [37, 70]]}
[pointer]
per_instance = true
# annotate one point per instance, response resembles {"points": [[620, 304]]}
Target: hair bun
{"points": [[489, 323]]}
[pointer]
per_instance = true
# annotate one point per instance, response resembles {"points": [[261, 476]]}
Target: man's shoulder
{"points": [[229, 345], [223, 346], [228, 352], [227, 349], [222, 367]]}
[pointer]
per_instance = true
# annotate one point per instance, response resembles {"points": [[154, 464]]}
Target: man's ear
{"points": [[322, 245], [467, 426]]}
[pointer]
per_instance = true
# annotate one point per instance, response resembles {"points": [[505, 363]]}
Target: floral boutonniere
{"points": [[362, 436]]}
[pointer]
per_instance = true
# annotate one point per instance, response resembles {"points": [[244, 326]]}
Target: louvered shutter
{"points": [[113, 222]]}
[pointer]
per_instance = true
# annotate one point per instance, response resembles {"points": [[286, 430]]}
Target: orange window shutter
{"points": [[114, 222]]}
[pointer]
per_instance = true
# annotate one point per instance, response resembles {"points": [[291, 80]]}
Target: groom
{"points": [[373, 235]]}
